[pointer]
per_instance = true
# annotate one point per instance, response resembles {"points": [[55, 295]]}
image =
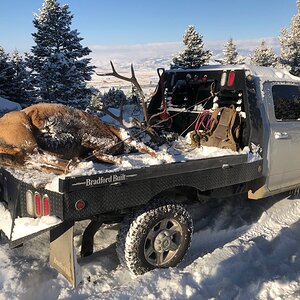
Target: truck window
{"points": [[286, 102]]}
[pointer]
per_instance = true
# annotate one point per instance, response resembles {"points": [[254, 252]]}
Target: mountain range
{"points": [[153, 55]]}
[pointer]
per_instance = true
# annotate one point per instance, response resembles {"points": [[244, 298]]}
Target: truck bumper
{"points": [[62, 253], [19, 226]]}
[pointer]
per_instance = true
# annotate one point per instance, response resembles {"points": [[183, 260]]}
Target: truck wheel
{"points": [[156, 236]]}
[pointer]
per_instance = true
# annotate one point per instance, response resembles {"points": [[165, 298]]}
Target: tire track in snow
{"points": [[8, 276], [252, 253], [245, 257], [252, 265]]}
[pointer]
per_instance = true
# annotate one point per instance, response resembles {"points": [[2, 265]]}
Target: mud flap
{"points": [[62, 253]]}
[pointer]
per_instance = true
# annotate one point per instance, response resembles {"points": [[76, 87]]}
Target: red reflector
{"points": [[79, 205], [38, 206], [231, 78], [204, 78], [46, 205]]}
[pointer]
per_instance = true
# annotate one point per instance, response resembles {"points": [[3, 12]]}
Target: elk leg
{"points": [[55, 165], [139, 146], [107, 158], [14, 151], [11, 156]]}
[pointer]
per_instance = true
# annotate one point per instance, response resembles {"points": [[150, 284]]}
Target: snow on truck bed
{"points": [[178, 151]]}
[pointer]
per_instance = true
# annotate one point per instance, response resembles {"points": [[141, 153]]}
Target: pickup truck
{"points": [[149, 203]]}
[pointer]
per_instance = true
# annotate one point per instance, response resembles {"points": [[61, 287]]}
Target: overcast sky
{"points": [[121, 22]]}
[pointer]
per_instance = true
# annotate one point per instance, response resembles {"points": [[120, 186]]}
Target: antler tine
{"points": [[134, 81], [113, 67], [132, 71]]}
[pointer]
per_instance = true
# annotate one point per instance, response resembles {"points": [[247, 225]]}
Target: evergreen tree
{"points": [[230, 54], [113, 98], [193, 56], [57, 61], [20, 84], [288, 56], [263, 56], [290, 45], [6, 74]]}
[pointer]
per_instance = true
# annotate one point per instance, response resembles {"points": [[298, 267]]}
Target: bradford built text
{"points": [[103, 179]]}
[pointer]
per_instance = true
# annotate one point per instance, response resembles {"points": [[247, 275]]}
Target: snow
{"points": [[240, 250], [6, 221], [26, 226], [178, 151], [7, 106]]}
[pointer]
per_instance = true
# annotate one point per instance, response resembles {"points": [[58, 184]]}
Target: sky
{"points": [[131, 22]]}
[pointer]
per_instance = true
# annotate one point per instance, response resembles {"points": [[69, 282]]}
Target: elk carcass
{"points": [[63, 131]]}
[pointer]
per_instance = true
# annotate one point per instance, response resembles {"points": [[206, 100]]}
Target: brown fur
{"points": [[87, 128], [25, 132], [16, 131]]}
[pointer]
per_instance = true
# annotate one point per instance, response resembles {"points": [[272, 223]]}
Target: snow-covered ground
{"points": [[240, 250]]}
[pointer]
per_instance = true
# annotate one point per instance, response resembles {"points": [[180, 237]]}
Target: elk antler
{"points": [[119, 118], [134, 81]]}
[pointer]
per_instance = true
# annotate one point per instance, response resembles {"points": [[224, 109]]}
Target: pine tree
{"points": [[20, 84], [57, 61], [290, 45], [230, 54], [288, 56], [6, 74], [113, 98], [263, 56], [193, 56]]}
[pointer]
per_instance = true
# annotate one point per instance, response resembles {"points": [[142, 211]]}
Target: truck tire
{"points": [[155, 236]]}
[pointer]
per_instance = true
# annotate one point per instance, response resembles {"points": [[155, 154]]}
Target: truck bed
{"points": [[115, 191]]}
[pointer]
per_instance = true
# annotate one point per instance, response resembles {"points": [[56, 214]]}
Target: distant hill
{"points": [[153, 55]]}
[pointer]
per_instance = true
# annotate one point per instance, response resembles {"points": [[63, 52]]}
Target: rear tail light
{"points": [[46, 205], [38, 204], [223, 78], [231, 77], [29, 203]]}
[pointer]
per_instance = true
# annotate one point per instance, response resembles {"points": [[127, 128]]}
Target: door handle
{"points": [[281, 135]]}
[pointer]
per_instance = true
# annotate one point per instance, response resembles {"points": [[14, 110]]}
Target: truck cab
{"points": [[279, 93]]}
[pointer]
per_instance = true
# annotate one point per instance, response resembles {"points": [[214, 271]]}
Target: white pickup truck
{"points": [[155, 227]]}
